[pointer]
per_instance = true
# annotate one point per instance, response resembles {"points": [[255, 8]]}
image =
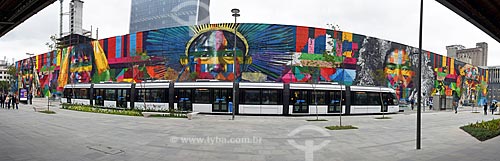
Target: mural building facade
{"points": [[265, 52]]}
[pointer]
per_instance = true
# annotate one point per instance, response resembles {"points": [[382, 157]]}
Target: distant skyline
{"points": [[392, 20]]}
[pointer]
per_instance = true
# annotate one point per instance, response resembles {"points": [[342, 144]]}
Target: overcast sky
{"points": [[393, 20]]}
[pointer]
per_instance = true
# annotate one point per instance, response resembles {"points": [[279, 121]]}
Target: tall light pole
{"points": [[236, 14], [419, 98], [32, 69]]}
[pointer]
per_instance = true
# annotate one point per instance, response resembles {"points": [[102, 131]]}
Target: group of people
{"points": [[493, 108], [9, 99], [428, 101]]}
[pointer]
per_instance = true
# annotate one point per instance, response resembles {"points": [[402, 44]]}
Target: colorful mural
{"points": [[264, 52]]}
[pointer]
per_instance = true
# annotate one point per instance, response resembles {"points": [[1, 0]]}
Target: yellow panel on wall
{"points": [[348, 54], [347, 36], [58, 58], [37, 61], [452, 67], [444, 61]]}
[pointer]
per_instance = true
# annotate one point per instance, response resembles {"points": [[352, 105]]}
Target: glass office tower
{"points": [[156, 14]]}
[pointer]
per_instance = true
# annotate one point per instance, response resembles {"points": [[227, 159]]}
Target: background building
{"points": [[76, 17], [477, 56], [494, 83], [451, 51], [4, 67], [156, 14]]}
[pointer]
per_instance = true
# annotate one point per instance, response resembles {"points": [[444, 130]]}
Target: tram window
{"points": [[159, 95], [202, 95], [320, 96], [335, 97], [251, 96], [271, 97], [298, 97], [140, 95], [144, 95], [390, 98], [81, 94], [365, 98], [67, 93], [152, 95], [74, 92], [123, 95], [110, 95], [183, 94]]}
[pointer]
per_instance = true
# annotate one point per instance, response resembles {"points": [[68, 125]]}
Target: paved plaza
{"points": [[79, 136]]}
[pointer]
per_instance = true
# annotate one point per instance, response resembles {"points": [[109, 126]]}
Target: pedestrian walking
{"points": [[412, 102], [485, 108], [30, 98], [430, 104], [455, 102], [492, 108], [7, 101], [2, 100], [455, 106], [15, 101]]}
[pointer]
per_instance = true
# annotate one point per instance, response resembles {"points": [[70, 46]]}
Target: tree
{"points": [[12, 71], [333, 42], [52, 46], [4, 85], [379, 77]]}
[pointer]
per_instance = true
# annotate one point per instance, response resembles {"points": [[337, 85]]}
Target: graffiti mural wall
{"points": [[264, 52]]}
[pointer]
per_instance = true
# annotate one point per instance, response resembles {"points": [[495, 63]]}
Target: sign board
{"points": [[23, 95]]}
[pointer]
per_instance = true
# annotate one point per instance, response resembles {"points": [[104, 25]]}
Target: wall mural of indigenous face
{"points": [[399, 72], [264, 52]]}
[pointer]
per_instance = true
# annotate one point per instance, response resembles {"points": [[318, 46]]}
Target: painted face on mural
{"points": [[398, 69], [213, 53]]}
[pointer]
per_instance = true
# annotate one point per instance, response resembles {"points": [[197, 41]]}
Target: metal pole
{"points": [[419, 113], [235, 14]]}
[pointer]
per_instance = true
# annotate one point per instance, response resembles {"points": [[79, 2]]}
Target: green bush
{"points": [[128, 112], [483, 130], [87, 108], [345, 127]]}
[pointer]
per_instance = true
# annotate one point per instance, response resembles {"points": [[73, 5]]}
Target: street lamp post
{"points": [[236, 14], [32, 69]]}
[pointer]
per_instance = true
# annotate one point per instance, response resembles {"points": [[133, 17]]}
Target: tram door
{"points": [[298, 99], [68, 93], [221, 97], [334, 104], [99, 97], [184, 101], [123, 96]]}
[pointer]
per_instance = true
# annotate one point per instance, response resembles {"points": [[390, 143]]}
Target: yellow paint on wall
{"points": [[58, 57], [37, 61], [348, 54], [347, 36], [452, 67], [487, 75], [444, 61]]}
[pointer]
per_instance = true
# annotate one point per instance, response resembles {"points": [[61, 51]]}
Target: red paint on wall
{"points": [[302, 36], [319, 32], [138, 44], [111, 48]]}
